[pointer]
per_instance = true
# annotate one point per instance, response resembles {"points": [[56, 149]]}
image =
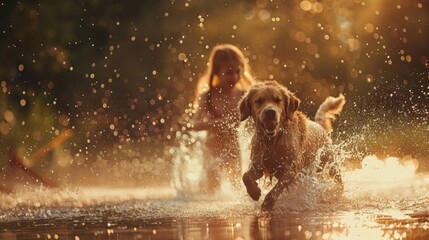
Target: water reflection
{"points": [[370, 208], [293, 226]]}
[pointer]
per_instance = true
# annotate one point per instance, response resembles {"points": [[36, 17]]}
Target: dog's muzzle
{"points": [[270, 122]]}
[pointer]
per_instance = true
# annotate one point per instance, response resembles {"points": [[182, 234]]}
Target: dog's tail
{"points": [[328, 111]]}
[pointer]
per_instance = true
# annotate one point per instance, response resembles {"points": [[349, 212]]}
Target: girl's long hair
{"points": [[221, 54]]}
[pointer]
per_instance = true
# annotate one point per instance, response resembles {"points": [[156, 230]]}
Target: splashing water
{"points": [[379, 180], [187, 165], [188, 175], [379, 192]]}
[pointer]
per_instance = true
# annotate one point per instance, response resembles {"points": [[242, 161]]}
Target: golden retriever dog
{"points": [[285, 140]]}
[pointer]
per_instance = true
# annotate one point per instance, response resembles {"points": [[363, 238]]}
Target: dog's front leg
{"points": [[274, 194], [249, 180]]}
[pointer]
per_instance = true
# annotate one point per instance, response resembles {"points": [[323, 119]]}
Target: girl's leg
{"points": [[232, 167], [212, 173]]}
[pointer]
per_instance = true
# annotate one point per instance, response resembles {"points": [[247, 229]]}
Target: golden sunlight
{"points": [[390, 169]]}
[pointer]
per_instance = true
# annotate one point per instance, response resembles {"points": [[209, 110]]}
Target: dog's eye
{"points": [[277, 100], [259, 101]]}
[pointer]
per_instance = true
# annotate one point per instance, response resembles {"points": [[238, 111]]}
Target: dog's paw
{"points": [[268, 204], [254, 192]]}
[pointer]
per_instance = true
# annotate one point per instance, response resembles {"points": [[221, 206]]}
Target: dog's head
{"points": [[268, 103]]}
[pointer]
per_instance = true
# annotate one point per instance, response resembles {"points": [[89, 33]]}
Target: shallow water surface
{"points": [[287, 226], [374, 205], [91, 213]]}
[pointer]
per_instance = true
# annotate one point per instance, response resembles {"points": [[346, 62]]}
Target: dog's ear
{"points": [[291, 103], [245, 110]]}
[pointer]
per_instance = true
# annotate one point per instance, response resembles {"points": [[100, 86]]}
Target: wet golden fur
{"points": [[285, 140]]}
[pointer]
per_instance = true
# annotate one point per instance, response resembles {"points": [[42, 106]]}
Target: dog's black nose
{"points": [[270, 113]]}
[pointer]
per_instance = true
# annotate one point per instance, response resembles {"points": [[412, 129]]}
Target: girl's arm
{"points": [[200, 121], [208, 124], [205, 123], [199, 125]]}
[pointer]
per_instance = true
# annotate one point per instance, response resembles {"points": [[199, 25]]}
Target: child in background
{"points": [[217, 95]]}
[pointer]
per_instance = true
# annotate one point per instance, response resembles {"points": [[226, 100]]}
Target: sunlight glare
{"points": [[389, 170]]}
